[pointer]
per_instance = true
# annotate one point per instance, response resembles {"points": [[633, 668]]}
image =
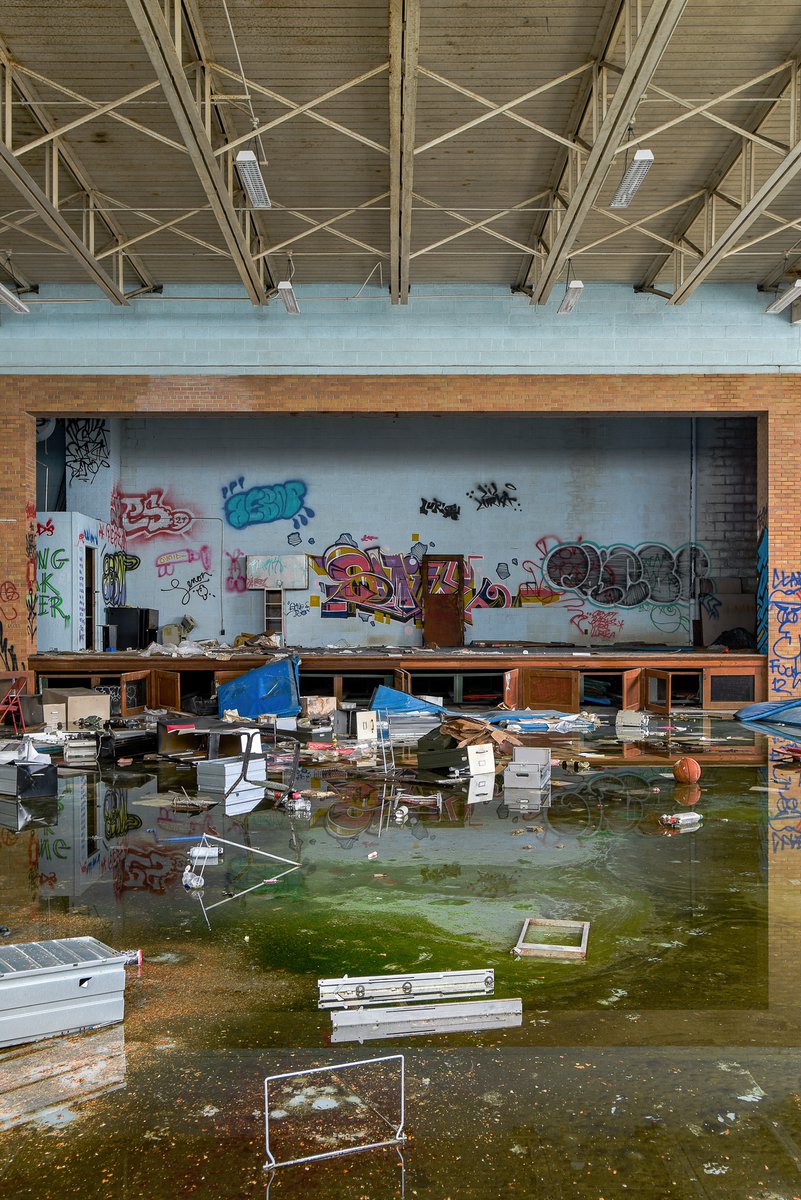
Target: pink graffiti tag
{"points": [[167, 562], [236, 580], [150, 514]]}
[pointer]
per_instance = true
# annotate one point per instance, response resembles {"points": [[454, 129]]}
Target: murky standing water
{"points": [[665, 1065]]}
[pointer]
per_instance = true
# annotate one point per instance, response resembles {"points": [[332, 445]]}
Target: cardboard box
{"points": [[318, 706], [80, 703]]}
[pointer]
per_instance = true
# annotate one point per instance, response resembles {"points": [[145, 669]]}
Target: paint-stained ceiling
{"points": [[412, 142]]}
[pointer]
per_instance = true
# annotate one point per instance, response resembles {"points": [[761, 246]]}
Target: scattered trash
{"points": [[362, 1025], [689, 820], [399, 989], [576, 950], [372, 855]]}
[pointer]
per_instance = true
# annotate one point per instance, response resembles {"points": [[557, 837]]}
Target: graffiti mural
{"points": [[8, 654], [451, 511], [117, 821], [116, 565], [86, 449], [784, 663], [50, 601], [46, 530], [196, 586], [236, 580], [626, 576], [389, 586], [762, 591], [9, 595], [151, 514], [167, 562], [489, 495], [264, 504]]}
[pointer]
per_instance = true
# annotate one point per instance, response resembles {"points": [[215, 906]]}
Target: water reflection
{"points": [[666, 1062]]}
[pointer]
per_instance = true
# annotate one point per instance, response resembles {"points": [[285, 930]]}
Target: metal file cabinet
{"points": [[56, 987]]}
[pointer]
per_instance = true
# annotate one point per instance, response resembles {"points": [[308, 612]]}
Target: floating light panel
{"points": [[12, 300], [573, 293], [785, 298], [632, 179], [252, 179]]}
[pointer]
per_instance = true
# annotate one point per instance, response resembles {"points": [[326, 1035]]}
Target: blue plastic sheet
{"points": [[273, 688], [785, 712]]}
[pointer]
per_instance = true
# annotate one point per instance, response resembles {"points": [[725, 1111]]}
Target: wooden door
{"points": [[730, 688], [133, 698], [631, 688], [165, 689], [550, 689], [657, 690], [443, 599]]}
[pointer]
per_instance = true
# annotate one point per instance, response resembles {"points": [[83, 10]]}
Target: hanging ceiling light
{"points": [[252, 179], [287, 292], [573, 292], [785, 298], [633, 176], [12, 300]]}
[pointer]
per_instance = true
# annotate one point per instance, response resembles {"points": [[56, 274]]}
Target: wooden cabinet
{"points": [[549, 689], [134, 692], [733, 687]]}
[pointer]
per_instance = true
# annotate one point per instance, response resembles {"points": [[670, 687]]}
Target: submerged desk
{"points": [[658, 680]]}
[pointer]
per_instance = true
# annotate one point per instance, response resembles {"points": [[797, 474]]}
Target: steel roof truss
{"points": [[160, 44], [325, 227], [642, 61], [503, 110], [297, 110], [478, 226]]}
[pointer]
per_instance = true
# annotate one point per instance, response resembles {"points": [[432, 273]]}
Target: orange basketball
{"points": [[687, 794], [687, 770]]}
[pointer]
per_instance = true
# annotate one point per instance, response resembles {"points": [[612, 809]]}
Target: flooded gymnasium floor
{"points": [[668, 1064]]}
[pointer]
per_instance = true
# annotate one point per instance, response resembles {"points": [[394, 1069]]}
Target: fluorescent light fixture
{"points": [[12, 300], [633, 176], [571, 297], [785, 298], [290, 300], [252, 179]]}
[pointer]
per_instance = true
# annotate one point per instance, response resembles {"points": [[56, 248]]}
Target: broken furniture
{"points": [[18, 815], [80, 704], [399, 989], [60, 986], [28, 781], [440, 749], [362, 1025], [183, 737], [396, 1139], [573, 950]]}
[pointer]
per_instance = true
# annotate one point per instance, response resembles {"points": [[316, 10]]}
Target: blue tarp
{"points": [[389, 700], [273, 688], [786, 712]]}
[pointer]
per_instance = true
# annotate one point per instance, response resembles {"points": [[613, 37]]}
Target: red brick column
{"points": [[18, 541]]}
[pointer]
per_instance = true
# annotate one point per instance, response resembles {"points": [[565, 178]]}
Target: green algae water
{"points": [[665, 1065]]}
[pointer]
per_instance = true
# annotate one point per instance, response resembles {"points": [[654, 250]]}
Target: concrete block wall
{"points": [[443, 330], [551, 516], [727, 495]]}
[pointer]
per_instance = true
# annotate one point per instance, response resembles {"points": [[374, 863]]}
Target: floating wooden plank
{"points": [[397, 989]]}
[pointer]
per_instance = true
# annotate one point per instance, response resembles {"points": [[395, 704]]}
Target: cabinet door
{"points": [[511, 688], [631, 688], [657, 690], [550, 689], [731, 687], [402, 680], [134, 688], [165, 689]]}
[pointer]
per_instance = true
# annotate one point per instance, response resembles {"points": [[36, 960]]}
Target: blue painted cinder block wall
{"points": [[721, 328]]}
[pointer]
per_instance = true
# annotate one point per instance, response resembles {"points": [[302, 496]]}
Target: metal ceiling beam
{"points": [[157, 40], [786, 171], [26, 185], [38, 110], [657, 30], [476, 226], [404, 44]]}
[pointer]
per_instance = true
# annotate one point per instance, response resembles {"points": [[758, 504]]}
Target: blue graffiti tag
{"points": [[264, 504]]}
